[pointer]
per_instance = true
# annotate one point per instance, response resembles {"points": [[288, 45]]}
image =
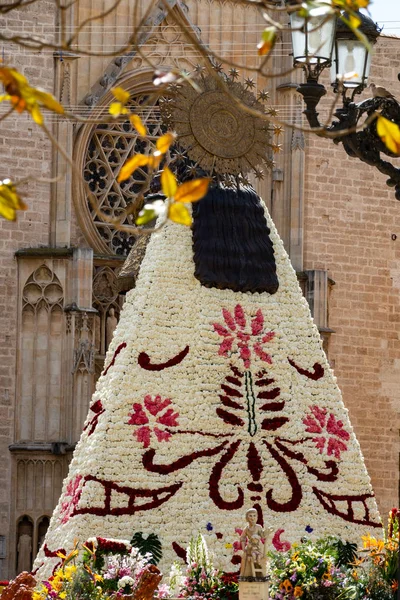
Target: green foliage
{"points": [[151, 545], [346, 553]]}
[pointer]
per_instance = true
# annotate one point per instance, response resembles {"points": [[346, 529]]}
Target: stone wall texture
{"points": [[351, 224]]}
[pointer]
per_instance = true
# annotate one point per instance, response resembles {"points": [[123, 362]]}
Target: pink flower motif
{"points": [[234, 330], [72, 497], [332, 434], [149, 418], [280, 546]]}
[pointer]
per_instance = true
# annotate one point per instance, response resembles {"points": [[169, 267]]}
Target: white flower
{"points": [[124, 581]]}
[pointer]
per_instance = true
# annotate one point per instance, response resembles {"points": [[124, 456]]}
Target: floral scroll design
{"points": [[251, 404]]}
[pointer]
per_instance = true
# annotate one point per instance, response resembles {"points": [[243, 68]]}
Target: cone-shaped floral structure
{"points": [[213, 401]]}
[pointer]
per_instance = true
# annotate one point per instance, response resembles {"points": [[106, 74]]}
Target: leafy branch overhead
{"points": [[25, 98]]}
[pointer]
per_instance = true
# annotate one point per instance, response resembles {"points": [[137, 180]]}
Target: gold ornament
{"points": [[218, 134]]}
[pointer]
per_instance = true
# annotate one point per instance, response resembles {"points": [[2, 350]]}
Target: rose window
{"points": [[100, 197]]}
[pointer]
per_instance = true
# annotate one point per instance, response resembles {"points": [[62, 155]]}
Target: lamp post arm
{"points": [[312, 92], [365, 144]]}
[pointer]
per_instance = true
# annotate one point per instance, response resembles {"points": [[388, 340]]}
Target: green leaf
{"points": [[146, 215], [150, 544]]}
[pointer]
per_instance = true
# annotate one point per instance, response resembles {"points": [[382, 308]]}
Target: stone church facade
{"points": [[59, 287]]}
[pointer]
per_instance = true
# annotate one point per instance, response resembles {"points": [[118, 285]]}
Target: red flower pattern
{"points": [[149, 418], [235, 329], [278, 544], [331, 433], [73, 494]]}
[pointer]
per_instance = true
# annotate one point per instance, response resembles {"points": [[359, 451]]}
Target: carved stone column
{"points": [[80, 341], [61, 197], [288, 178]]}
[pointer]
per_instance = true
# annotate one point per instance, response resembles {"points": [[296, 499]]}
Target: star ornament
{"points": [[263, 95], [249, 83]]}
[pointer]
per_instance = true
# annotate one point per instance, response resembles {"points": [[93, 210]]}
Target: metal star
{"points": [[179, 156], [272, 111], [276, 148], [278, 129], [249, 83], [263, 95], [199, 69], [217, 67], [233, 73], [227, 181], [191, 170], [174, 88], [259, 174], [244, 180]]}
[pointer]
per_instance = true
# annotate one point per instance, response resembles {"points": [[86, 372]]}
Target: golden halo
{"points": [[216, 133]]}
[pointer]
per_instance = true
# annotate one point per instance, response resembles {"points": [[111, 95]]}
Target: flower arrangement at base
{"points": [[201, 580], [311, 570], [106, 569], [375, 573]]}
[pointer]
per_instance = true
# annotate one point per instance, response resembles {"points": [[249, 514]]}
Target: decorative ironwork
{"points": [[364, 144], [218, 135]]}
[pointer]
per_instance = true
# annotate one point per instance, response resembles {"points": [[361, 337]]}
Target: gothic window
{"points": [[42, 527], [102, 151], [42, 333]]}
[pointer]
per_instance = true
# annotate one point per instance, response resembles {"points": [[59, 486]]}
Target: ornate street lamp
{"points": [[321, 41]]}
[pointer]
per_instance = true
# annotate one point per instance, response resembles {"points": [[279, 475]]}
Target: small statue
{"points": [[254, 542], [111, 324]]}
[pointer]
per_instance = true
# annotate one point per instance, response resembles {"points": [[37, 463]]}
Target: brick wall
{"points": [[23, 151], [350, 216]]}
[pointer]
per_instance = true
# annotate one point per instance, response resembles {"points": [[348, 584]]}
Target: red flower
{"points": [[331, 431], [150, 416], [235, 330], [73, 491], [278, 544]]}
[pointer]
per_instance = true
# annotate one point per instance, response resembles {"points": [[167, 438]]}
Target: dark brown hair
{"points": [[231, 244]]}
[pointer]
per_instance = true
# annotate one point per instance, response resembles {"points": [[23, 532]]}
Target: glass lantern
{"points": [[312, 39], [351, 58]]}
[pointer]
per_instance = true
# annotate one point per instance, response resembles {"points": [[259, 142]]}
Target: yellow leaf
{"points": [[389, 133], [164, 142], [168, 183], [179, 214], [36, 114], [137, 123], [49, 101], [10, 202], [120, 94], [191, 191], [116, 109], [355, 21], [139, 160], [268, 39]]}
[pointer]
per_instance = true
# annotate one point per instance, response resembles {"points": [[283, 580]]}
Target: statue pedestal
{"points": [[253, 590]]}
